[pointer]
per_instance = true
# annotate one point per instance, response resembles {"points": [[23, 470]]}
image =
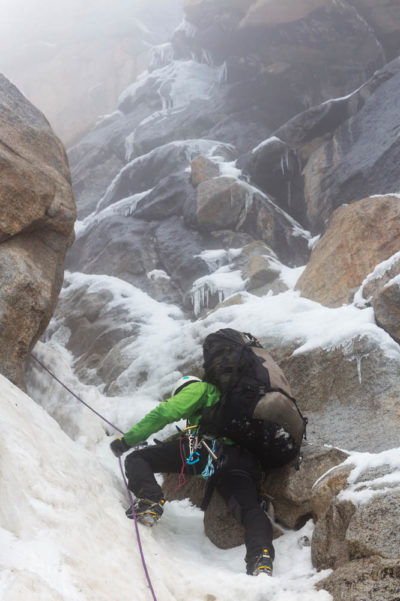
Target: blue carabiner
{"points": [[192, 461]]}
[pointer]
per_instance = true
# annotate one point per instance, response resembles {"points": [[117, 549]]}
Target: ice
{"points": [[266, 142], [125, 206], [187, 28], [179, 82], [224, 282]]}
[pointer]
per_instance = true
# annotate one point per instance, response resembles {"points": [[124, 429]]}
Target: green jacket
{"points": [[187, 404]]}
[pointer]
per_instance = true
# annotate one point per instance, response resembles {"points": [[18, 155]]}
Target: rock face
{"points": [[303, 47], [36, 226], [356, 535], [384, 17], [342, 259]]}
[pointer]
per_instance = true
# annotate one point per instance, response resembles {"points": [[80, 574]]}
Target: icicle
{"points": [[223, 74], [129, 145]]}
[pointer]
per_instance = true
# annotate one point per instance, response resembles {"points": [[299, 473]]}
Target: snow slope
{"points": [[64, 535]]}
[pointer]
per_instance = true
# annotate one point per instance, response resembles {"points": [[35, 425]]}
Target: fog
{"points": [[58, 51]]}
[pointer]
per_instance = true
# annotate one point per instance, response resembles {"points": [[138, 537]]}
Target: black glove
{"points": [[119, 446]]}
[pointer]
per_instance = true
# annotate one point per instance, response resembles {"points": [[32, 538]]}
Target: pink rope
{"points": [[137, 533]]}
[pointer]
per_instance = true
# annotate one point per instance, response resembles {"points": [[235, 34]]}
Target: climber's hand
{"points": [[119, 446]]}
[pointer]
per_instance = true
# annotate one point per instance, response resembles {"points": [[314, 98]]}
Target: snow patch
{"points": [[378, 272], [362, 491], [158, 274]]}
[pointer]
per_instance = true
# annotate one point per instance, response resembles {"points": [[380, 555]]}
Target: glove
{"points": [[119, 446]]}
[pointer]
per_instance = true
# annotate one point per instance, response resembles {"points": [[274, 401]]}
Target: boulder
{"points": [[372, 529], [260, 269], [36, 226], [290, 490], [287, 491], [327, 488], [145, 172], [202, 169], [341, 259], [355, 382], [226, 202], [369, 579], [357, 534], [93, 331]]}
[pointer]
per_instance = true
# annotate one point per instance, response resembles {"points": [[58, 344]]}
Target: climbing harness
{"points": [[130, 497], [194, 456]]}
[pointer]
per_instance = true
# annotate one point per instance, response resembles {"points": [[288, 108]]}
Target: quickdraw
{"points": [[194, 455]]}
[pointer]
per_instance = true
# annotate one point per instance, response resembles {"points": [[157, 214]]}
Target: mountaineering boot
{"points": [[261, 564], [147, 512]]}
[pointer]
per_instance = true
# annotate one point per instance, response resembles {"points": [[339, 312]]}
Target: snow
{"points": [[378, 272], [362, 490], [219, 257], [58, 505], [158, 274], [64, 535], [313, 241]]}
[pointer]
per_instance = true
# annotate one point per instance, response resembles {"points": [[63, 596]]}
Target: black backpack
{"points": [[256, 399]]}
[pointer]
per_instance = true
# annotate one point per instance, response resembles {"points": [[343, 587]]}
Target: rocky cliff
{"points": [[78, 57], [249, 178], [37, 211]]}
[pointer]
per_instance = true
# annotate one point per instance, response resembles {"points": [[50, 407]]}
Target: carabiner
{"points": [[191, 460]]}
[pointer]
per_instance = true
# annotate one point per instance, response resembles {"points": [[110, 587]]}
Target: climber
{"points": [[237, 472]]}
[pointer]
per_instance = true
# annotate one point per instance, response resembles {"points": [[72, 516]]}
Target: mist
{"points": [[72, 59]]}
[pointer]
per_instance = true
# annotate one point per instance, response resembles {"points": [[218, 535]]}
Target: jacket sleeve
{"points": [[181, 406]]}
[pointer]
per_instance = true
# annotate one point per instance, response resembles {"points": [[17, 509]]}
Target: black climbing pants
{"points": [[237, 480]]}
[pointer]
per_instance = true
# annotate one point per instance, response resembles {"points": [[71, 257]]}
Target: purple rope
{"points": [[137, 532], [122, 472], [76, 396]]}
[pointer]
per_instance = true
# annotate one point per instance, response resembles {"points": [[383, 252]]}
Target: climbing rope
{"points": [[76, 396], [130, 497]]}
